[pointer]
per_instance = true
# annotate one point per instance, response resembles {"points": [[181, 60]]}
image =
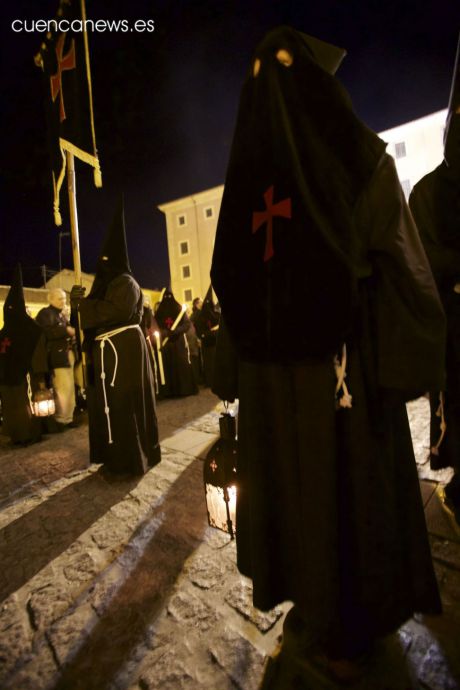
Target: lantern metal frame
{"points": [[43, 403], [219, 477]]}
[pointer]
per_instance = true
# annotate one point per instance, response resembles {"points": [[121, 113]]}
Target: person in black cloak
{"points": [[207, 325], [23, 364], [315, 235], [435, 205], [123, 431], [174, 324]]}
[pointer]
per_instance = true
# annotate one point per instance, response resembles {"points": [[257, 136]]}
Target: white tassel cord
{"points": [[29, 393], [345, 399], [103, 338]]}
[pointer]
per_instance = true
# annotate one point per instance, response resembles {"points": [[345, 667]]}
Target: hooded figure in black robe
{"points": [[316, 249], [435, 205], [123, 431], [206, 325], [23, 363], [177, 363]]}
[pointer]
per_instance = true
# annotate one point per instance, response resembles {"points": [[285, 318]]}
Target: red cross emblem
{"points": [[213, 465], [64, 62], [169, 322], [4, 345], [259, 218]]}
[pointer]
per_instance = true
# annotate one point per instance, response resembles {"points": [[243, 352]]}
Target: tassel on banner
{"points": [[57, 215], [97, 175]]}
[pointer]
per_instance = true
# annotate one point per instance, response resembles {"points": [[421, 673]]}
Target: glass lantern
{"points": [[43, 403], [219, 475]]}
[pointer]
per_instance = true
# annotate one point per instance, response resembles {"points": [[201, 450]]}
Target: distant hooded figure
{"points": [[206, 325], [174, 323], [320, 274], [23, 363], [123, 431], [435, 204]]}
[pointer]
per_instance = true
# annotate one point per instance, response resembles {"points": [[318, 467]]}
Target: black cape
{"points": [[206, 325], [131, 444], [120, 375], [299, 160], [435, 205], [329, 512]]}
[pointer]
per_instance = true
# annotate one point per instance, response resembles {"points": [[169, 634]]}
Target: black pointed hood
{"points": [[326, 55], [113, 258], [14, 309], [168, 309], [208, 316], [19, 335], [285, 239]]}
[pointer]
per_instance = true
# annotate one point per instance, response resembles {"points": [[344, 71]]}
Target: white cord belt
{"points": [[102, 338]]}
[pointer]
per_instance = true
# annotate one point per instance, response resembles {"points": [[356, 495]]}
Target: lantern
{"points": [[219, 476], [43, 404]]}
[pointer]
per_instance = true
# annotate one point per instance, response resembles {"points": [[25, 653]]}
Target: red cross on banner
{"points": [[64, 62], [169, 322], [4, 345], [259, 218]]}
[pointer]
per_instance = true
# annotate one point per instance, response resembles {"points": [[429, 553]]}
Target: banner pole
{"points": [[72, 190]]}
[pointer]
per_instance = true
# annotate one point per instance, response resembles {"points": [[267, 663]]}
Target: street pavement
{"points": [[120, 584]]}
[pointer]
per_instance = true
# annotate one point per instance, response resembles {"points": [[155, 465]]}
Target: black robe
{"points": [[177, 362], [329, 512], [23, 363], [132, 423], [207, 325], [435, 204], [19, 422]]}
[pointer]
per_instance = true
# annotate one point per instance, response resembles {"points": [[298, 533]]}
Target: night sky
{"points": [[165, 104]]}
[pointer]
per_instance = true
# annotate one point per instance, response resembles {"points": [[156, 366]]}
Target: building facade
{"points": [[191, 228], [417, 147], [191, 221]]}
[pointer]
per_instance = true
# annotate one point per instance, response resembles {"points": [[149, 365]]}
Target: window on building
{"points": [[400, 149], [407, 187], [208, 212], [188, 295], [181, 220], [183, 248], [186, 272]]}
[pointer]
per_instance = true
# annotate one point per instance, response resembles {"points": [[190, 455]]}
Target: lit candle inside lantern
{"points": [[43, 404]]}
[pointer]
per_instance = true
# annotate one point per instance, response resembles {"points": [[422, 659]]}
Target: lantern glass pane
{"points": [[217, 509], [44, 407]]}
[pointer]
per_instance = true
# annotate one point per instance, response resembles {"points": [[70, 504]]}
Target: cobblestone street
{"points": [[121, 585]]}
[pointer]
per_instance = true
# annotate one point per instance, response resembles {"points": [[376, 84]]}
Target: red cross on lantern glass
{"points": [[259, 218], [64, 62]]}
